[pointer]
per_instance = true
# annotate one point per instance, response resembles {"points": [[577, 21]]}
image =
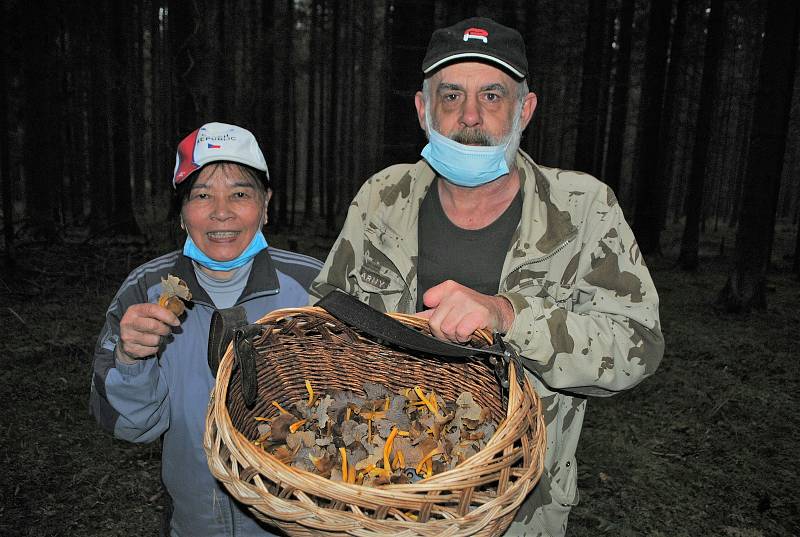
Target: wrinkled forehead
{"points": [[472, 75]]}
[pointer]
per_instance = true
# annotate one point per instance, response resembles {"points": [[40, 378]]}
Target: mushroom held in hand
{"points": [[174, 292]]}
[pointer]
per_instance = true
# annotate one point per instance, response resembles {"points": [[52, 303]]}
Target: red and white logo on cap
{"points": [[185, 161], [476, 33]]}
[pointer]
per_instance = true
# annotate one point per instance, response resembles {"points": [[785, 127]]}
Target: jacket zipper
{"points": [[540, 259]]}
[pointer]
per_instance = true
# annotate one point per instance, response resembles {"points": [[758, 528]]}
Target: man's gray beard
{"points": [[513, 145], [469, 136]]}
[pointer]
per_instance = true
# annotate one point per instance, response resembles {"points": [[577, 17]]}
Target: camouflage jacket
{"points": [[586, 308]]}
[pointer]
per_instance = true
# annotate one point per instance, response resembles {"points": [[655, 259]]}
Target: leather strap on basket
{"points": [[220, 333], [245, 353], [230, 324], [352, 311]]}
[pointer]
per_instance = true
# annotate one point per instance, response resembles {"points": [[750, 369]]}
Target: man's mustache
{"points": [[472, 137]]}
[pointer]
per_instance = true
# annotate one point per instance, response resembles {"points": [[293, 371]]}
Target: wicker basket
{"points": [[478, 497]]}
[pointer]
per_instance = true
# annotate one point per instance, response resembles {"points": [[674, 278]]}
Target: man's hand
{"points": [[141, 330], [457, 311]]}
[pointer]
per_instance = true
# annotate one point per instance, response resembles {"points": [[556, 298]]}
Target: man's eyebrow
{"points": [[445, 86], [495, 86], [499, 88]]}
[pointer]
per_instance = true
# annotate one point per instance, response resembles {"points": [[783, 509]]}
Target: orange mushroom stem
{"points": [[296, 425], [387, 449], [343, 452], [426, 458], [310, 393]]}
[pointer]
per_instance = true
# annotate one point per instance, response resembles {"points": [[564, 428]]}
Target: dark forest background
{"points": [[685, 108], [689, 109]]}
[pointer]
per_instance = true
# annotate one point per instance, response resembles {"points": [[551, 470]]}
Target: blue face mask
{"points": [[465, 165], [470, 165], [191, 251]]}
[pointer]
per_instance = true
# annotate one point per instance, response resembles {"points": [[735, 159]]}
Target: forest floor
{"points": [[706, 447]]}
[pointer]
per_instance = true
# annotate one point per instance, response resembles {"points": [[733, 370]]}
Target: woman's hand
{"points": [[141, 330]]}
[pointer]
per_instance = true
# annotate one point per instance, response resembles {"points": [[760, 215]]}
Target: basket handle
{"points": [[352, 311]]}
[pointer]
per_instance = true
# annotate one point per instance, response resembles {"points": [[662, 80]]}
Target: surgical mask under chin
{"points": [[468, 165], [191, 251]]}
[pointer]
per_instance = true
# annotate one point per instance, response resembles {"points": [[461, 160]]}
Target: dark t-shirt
{"points": [[472, 257]]}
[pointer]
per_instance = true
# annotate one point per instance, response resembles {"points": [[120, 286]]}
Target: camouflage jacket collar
{"points": [[392, 228], [545, 227]]}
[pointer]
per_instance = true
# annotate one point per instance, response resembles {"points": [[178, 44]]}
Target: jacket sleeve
{"points": [[341, 260], [130, 401], [605, 336]]}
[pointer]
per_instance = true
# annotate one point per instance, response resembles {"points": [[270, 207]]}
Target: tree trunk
{"points": [[728, 169], [672, 111], [69, 120], [289, 144], [281, 66], [292, 118], [589, 116], [746, 285], [796, 262], [147, 119], [348, 101], [332, 124], [619, 104], [649, 189], [315, 66], [123, 220], [99, 146], [79, 187], [409, 29], [5, 165], [140, 122], [374, 81], [689, 256], [324, 104], [42, 161], [185, 30]]}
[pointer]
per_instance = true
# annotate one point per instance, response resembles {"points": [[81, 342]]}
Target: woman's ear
{"points": [[267, 197], [183, 227]]}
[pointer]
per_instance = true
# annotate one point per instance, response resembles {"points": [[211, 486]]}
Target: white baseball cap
{"points": [[215, 142]]}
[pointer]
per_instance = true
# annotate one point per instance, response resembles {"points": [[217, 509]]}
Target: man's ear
{"points": [[419, 103], [180, 217], [528, 107]]}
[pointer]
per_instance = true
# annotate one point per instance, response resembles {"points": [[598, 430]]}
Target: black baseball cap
{"points": [[477, 38]]}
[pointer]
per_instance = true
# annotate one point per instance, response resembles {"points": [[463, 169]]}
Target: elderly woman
{"points": [[151, 374]]}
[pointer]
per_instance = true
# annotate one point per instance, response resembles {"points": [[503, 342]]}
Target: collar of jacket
{"points": [[544, 226], [392, 227], [263, 279], [546, 223]]}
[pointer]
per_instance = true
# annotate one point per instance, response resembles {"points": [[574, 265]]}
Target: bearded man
{"points": [[477, 235]]}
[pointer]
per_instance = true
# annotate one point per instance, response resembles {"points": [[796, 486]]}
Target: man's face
{"points": [[474, 103]]}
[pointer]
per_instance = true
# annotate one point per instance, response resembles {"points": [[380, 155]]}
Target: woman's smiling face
{"points": [[224, 210]]}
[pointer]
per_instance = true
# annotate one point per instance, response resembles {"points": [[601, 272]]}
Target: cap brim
{"points": [[462, 55]]}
